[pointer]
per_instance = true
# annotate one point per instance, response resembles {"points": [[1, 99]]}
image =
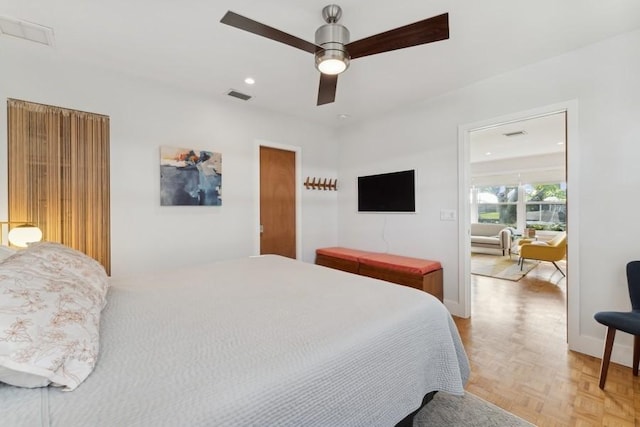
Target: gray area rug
{"points": [[468, 410]]}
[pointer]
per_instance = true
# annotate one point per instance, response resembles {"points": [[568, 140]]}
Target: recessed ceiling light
{"points": [[249, 81], [561, 143], [488, 153], [343, 116]]}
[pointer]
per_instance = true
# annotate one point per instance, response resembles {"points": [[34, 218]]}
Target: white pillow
{"points": [[6, 252], [51, 297]]}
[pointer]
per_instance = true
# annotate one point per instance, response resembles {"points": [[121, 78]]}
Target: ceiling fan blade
{"points": [[421, 32], [255, 27], [327, 90]]}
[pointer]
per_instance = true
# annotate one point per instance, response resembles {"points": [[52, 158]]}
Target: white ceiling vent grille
{"points": [[26, 30], [239, 95]]}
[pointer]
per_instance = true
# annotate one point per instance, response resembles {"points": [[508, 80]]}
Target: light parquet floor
{"points": [[516, 343]]}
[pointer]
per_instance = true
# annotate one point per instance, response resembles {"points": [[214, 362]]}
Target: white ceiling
{"points": [[182, 43], [535, 156], [542, 135]]}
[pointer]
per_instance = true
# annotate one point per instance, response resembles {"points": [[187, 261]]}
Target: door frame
{"points": [[256, 186], [572, 156]]}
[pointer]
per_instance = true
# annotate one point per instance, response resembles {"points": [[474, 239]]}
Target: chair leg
{"points": [[521, 263], [636, 354], [561, 272], [606, 357]]}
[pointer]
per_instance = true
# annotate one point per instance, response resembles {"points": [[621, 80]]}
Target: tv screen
{"points": [[387, 192]]}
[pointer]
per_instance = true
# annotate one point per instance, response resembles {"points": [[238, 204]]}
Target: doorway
{"points": [[278, 207], [518, 174], [569, 109]]}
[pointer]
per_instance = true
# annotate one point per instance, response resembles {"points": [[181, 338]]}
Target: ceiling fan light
{"points": [[332, 61], [333, 58], [332, 66]]}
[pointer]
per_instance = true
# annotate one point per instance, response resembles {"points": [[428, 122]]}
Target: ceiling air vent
{"points": [[516, 133], [239, 95], [26, 30]]}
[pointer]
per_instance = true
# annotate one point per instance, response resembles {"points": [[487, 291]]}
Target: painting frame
{"points": [[190, 177]]}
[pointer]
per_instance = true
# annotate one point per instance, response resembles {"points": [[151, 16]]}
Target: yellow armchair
{"points": [[552, 251]]}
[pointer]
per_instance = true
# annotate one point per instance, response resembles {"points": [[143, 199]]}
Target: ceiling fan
{"points": [[332, 48]]}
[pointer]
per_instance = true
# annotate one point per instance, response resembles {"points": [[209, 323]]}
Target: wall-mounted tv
{"points": [[387, 192]]}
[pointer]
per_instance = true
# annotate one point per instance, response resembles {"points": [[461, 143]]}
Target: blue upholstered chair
{"points": [[628, 322]]}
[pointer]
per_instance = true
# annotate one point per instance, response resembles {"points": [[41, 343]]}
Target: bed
{"points": [[256, 341]]}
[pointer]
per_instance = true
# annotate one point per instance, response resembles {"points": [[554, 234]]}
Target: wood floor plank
{"points": [[516, 343]]}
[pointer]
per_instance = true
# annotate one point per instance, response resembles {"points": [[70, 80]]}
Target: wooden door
{"points": [[277, 202]]}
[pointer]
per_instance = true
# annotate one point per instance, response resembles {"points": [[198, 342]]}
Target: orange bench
{"points": [[417, 273]]}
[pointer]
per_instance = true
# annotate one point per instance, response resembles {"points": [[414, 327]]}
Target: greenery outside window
{"points": [[542, 206], [498, 204], [546, 207]]}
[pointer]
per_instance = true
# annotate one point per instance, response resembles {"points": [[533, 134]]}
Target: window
{"points": [[59, 175], [498, 204], [546, 206], [540, 206]]}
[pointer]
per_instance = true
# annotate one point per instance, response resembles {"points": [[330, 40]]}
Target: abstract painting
{"points": [[190, 177]]}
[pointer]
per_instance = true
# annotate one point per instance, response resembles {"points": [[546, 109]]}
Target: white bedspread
{"points": [[261, 341]]}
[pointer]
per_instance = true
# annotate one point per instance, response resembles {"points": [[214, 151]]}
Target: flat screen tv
{"points": [[387, 192]]}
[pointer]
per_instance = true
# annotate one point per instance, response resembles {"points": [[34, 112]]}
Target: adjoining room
{"points": [[518, 195]]}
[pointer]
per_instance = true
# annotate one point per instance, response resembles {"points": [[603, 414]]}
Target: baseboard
{"points": [[454, 307], [622, 353]]}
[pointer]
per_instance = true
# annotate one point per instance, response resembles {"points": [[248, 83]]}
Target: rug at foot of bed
{"points": [[468, 410], [501, 267]]}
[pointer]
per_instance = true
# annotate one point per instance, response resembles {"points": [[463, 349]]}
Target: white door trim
{"points": [[573, 219], [256, 192]]}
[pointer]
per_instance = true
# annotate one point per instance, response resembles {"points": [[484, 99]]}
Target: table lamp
{"points": [[24, 234]]}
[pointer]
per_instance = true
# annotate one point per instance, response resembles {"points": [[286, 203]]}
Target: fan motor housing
{"points": [[333, 34], [332, 38]]}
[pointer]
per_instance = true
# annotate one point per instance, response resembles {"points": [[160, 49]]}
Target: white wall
{"points": [[535, 169], [144, 116], [603, 80]]}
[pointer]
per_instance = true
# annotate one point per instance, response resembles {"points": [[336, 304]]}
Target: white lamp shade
{"points": [[22, 235]]}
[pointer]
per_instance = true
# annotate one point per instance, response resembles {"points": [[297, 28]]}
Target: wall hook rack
{"points": [[321, 184]]}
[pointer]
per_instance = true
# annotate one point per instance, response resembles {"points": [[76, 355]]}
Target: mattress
{"points": [[256, 341]]}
